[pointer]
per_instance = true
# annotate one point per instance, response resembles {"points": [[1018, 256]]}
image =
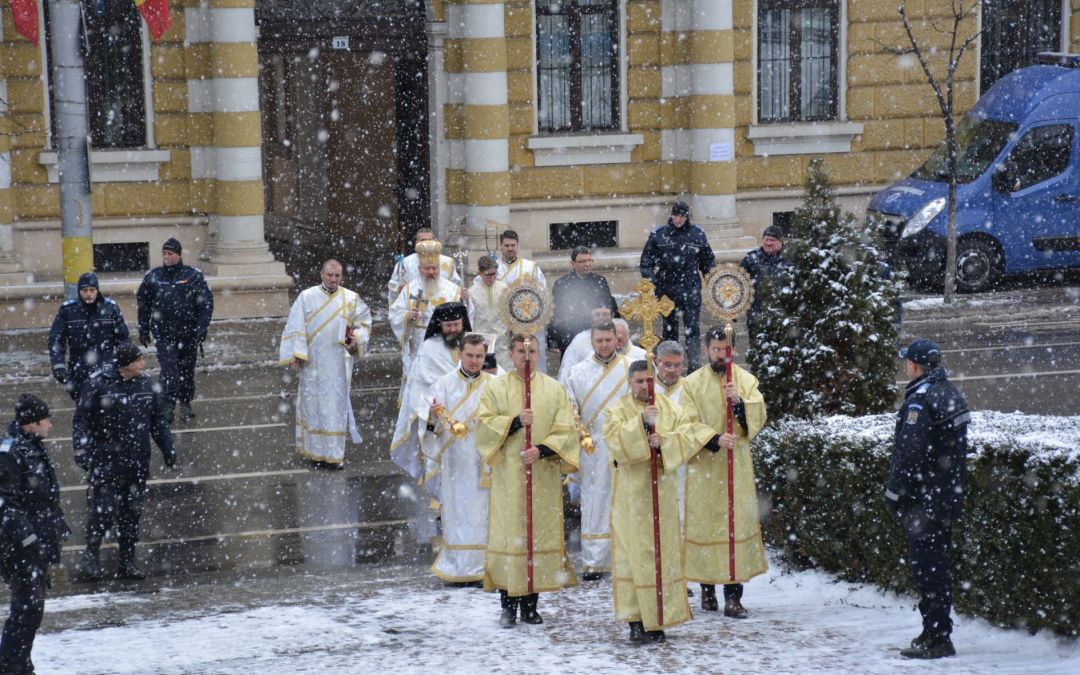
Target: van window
{"points": [[978, 143], [1042, 153]]}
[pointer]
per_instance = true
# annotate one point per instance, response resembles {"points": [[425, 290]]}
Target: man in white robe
{"points": [[594, 384], [438, 356], [328, 327], [627, 348], [485, 296], [408, 268], [412, 310], [511, 268], [580, 347], [448, 442]]}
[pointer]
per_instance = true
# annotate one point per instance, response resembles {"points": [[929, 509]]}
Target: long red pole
{"points": [[730, 467], [655, 508], [528, 472]]}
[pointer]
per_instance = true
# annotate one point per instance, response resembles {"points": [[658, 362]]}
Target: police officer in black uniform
{"points": [[674, 257], [175, 306], [926, 488], [764, 263], [119, 410], [88, 328], [33, 528]]}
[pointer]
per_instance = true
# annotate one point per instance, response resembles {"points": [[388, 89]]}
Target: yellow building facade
{"points": [[576, 121]]}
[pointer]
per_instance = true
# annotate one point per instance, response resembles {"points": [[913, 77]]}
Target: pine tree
{"points": [[825, 340]]}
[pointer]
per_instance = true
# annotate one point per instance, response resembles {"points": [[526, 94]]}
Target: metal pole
{"points": [[73, 163]]}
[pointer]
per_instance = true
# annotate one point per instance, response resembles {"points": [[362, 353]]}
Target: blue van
{"points": [[1018, 191]]}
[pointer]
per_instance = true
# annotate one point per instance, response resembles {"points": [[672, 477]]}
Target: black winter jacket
{"points": [[33, 527], [928, 470], [114, 421], [672, 259], [175, 304], [89, 333]]}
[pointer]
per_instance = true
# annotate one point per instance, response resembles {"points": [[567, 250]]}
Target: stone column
{"points": [[698, 87], [230, 165], [478, 116], [9, 262]]}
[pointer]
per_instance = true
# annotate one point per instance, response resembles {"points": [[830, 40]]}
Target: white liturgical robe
{"points": [[408, 269], [462, 476], [432, 362], [315, 335], [593, 386], [410, 334], [486, 318]]}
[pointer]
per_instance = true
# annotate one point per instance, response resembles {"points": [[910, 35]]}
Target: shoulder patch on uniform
{"points": [[912, 414], [5, 445], [68, 302], [110, 301], [197, 270], [923, 388]]}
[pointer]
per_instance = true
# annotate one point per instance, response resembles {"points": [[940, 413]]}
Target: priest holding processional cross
{"points": [[525, 434], [723, 543], [648, 438]]}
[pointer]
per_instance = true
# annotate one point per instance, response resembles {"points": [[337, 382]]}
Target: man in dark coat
{"points": [[675, 258], [33, 528], [575, 296], [117, 414], [88, 329], [926, 488], [175, 306], [764, 263]]}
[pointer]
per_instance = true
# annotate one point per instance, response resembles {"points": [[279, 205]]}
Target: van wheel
{"points": [[979, 265]]}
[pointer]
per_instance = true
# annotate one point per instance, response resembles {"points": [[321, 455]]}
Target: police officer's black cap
{"points": [[126, 354], [172, 244], [88, 280], [680, 208], [30, 409], [773, 231], [923, 352]]}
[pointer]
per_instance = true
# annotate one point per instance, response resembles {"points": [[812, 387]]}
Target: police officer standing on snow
{"points": [[674, 256], [926, 488], [175, 306], [117, 414], [88, 328], [33, 528]]}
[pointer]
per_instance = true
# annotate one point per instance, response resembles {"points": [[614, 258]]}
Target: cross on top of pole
{"points": [[647, 308]]}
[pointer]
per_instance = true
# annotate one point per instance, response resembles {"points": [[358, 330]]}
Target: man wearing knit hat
{"points": [[764, 263], [117, 414], [87, 329], [32, 531], [675, 258], [175, 307]]}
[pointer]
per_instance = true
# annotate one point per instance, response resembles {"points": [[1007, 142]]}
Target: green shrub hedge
{"points": [[1016, 550]]}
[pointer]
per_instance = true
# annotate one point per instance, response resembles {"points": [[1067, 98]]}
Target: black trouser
{"points": [[119, 501], [24, 618], [689, 310], [527, 602], [177, 359], [929, 542]]}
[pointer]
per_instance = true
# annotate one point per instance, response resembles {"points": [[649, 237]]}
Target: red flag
{"points": [[156, 15], [24, 15]]}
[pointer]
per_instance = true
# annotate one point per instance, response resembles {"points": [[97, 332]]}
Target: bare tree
{"points": [[959, 12]]}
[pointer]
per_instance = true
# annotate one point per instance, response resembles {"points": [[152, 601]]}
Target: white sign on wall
{"points": [[720, 152], [340, 42]]}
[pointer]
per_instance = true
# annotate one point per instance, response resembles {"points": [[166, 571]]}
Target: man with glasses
{"points": [[485, 292], [575, 296]]}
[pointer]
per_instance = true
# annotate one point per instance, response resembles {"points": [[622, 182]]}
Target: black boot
{"points": [[508, 619], [655, 636], [90, 565], [637, 631], [528, 609], [186, 412], [128, 568], [708, 598], [733, 609], [931, 648], [919, 641]]}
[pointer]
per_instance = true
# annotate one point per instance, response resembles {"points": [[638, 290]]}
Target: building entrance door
{"points": [[345, 149]]}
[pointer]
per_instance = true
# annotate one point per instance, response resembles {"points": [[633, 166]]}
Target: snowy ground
{"points": [[400, 619]]}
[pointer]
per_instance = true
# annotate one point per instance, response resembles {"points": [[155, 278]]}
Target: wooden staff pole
{"points": [[728, 358], [528, 469]]}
